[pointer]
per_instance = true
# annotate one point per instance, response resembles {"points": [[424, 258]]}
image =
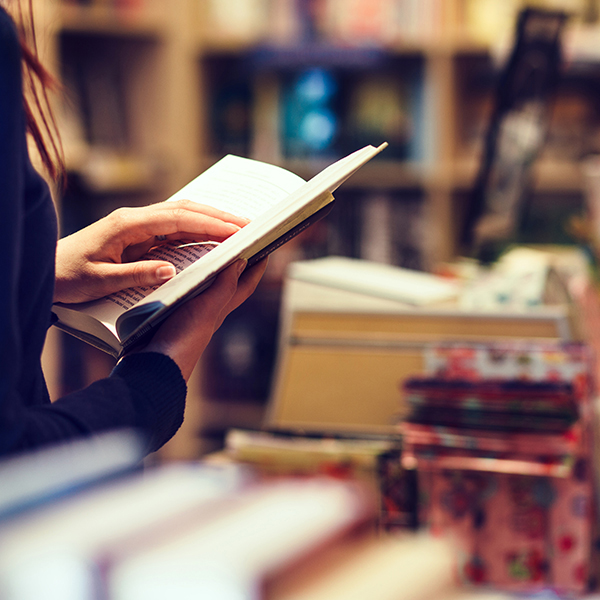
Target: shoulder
{"points": [[12, 117], [10, 50], [11, 94], [10, 60]]}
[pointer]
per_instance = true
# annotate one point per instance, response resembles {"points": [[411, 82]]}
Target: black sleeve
{"points": [[145, 391]]}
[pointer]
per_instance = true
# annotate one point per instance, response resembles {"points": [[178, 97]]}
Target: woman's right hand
{"points": [[185, 335], [105, 256]]}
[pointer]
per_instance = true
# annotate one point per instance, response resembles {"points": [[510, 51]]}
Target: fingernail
{"points": [[165, 273]]}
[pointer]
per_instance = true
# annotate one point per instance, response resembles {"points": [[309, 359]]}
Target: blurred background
{"points": [[155, 92]]}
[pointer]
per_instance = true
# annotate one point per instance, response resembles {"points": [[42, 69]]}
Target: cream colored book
{"points": [[279, 205], [408, 286]]}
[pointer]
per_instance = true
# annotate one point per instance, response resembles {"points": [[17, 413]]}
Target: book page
{"points": [[180, 255], [241, 186]]}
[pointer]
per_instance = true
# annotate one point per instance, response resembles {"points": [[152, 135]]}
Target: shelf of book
{"points": [[193, 88], [421, 70]]}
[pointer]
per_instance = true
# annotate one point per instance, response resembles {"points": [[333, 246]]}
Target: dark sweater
{"points": [[145, 391]]}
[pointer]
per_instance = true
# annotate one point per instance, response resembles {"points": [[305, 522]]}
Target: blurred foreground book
{"points": [[42, 476], [205, 531]]}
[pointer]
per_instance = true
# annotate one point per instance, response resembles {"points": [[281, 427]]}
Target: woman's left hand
{"points": [[104, 257]]}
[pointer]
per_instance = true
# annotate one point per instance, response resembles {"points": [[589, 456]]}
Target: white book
{"points": [[376, 279], [32, 479], [60, 551], [266, 531]]}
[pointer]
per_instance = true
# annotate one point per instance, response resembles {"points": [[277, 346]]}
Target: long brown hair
{"points": [[37, 82]]}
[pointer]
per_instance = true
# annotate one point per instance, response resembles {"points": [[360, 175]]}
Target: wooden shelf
{"points": [[549, 175], [442, 47], [103, 19], [379, 174], [109, 172]]}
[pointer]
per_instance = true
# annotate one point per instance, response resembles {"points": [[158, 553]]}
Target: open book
{"points": [[279, 205]]}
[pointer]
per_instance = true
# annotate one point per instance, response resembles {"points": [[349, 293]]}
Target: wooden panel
{"points": [[336, 388], [442, 327]]}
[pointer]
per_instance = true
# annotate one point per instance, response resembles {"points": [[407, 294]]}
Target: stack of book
{"points": [[501, 438], [199, 531], [371, 459], [352, 330]]}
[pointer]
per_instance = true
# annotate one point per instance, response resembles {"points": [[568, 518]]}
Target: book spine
{"points": [[290, 234]]}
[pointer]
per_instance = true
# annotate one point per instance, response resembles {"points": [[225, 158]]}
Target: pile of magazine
{"points": [[501, 438]]}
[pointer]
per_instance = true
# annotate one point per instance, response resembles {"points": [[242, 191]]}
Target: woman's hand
{"points": [[185, 334], [104, 257]]}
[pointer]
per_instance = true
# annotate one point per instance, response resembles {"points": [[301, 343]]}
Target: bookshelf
{"points": [[193, 79]]}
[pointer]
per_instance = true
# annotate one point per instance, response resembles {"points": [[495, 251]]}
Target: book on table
{"points": [[279, 205]]}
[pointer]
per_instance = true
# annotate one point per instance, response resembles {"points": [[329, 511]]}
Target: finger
{"points": [[178, 225], [211, 211], [251, 276], [136, 251], [181, 212], [144, 273], [131, 226], [208, 306], [226, 284], [246, 286]]}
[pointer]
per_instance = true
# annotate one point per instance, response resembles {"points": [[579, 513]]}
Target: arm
{"points": [[147, 388]]}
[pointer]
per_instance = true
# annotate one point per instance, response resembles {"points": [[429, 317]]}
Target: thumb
{"points": [[143, 273]]}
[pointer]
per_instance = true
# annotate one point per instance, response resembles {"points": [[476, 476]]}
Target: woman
{"points": [[147, 389]]}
